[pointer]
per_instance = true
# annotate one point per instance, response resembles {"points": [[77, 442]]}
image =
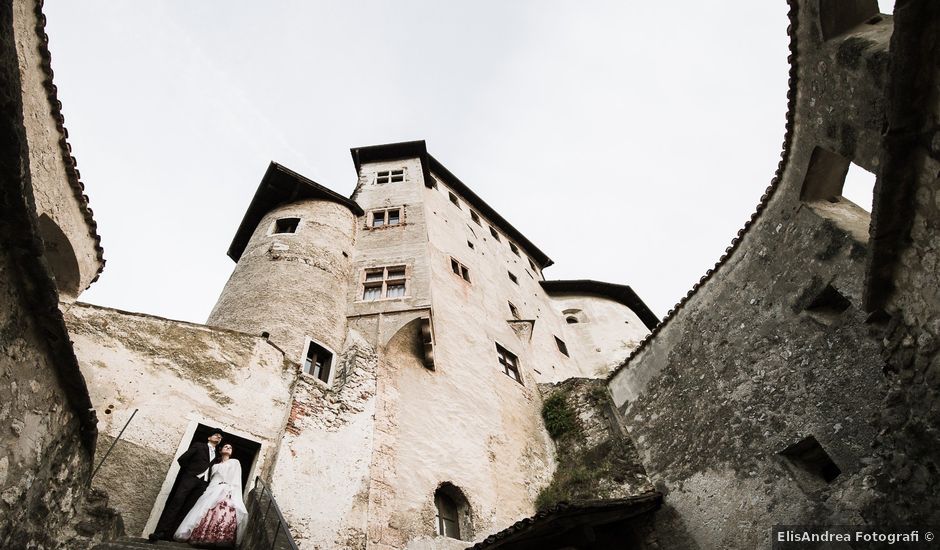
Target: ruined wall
{"points": [[75, 256], [606, 333], [177, 374], [596, 458], [773, 347], [321, 478], [293, 285]]}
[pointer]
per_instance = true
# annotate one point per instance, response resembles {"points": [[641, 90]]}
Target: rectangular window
{"points": [[512, 277], [433, 182], [514, 248], [286, 225], [383, 218], [561, 346], [475, 217], [453, 199], [384, 282], [390, 176], [514, 311], [460, 270], [494, 233], [318, 361], [509, 362]]}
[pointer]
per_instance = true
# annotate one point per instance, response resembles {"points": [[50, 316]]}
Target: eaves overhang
{"points": [[619, 293], [418, 149], [281, 185]]}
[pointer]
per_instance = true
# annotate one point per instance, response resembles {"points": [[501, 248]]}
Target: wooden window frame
{"points": [[383, 283], [509, 362]]}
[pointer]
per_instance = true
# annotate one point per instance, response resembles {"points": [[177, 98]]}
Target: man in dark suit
{"points": [[190, 484]]}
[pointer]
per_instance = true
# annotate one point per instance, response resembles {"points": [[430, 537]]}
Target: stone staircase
{"points": [[135, 543]]}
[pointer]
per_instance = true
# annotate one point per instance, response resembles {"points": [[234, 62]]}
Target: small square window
{"points": [[512, 277], [389, 176], [494, 233], [453, 199], [475, 217], [460, 270], [514, 248], [395, 290], [372, 292], [514, 311], [286, 225], [383, 218], [378, 219], [318, 361], [374, 275], [509, 363], [393, 217], [433, 182], [398, 176], [397, 272], [561, 346]]}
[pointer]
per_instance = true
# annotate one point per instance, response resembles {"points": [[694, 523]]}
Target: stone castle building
{"points": [[396, 371]]}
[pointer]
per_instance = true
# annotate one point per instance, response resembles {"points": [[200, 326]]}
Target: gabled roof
{"points": [[418, 149], [560, 525], [619, 293], [279, 186]]}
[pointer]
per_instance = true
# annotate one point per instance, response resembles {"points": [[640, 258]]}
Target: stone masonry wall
{"points": [[177, 374], [774, 347]]}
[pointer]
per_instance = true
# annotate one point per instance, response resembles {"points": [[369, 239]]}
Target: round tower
{"points": [[293, 266]]}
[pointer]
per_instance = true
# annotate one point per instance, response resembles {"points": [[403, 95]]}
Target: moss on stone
{"points": [[559, 418]]}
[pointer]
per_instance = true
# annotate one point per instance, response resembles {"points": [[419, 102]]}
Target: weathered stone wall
{"points": [[176, 374], [606, 334], [596, 458], [758, 358], [76, 257], [293, 285]]}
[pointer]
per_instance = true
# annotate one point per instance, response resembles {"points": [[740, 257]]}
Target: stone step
{"points": [[135, 543]]}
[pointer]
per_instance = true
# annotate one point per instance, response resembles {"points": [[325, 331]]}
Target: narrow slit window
{"points": [[475, 217], [318, 362], [514, 248], [470, 244], [453, 199], [509, 363], [494, 233], [512, 277], [514, 311], [561, 346], [532, 265], [286, 225]]}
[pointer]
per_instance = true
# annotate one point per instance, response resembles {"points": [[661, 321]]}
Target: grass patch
{"points": [[559, 419]]}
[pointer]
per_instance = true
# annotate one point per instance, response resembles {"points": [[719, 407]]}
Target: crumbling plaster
{"points": [[175, 374]]}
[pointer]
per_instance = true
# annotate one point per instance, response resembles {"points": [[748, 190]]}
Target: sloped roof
{"points": [[281, 185], [418, 149], [619, 293]]}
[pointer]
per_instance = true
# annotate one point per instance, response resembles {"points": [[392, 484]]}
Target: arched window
{"points": [[574, 316], [571, 320], [453, 513]]}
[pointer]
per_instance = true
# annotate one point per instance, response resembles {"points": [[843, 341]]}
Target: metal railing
{"points": [[266, 528]]}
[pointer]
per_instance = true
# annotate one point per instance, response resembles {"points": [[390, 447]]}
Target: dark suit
{"points": [[189, 488]]}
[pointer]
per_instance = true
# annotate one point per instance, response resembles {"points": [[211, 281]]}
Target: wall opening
{"points": [[286, 225], [452, 518], [318, 361], [810, 462], [839, 16], [829, 302], [826, 185], [61, 257]]}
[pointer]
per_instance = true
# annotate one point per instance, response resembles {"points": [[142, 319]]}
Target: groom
{"points": [[190, 484]]}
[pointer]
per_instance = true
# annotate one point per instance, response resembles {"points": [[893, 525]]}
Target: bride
{"points": [[218, 517]]}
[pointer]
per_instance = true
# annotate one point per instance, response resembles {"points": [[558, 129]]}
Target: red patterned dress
{"points": [[218, 517]]}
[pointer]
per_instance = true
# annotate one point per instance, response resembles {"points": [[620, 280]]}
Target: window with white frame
{"points": [[509, 363], [318, 361], [286, 225], [383, 282], [460, 270], [389, 176], [385, 218]]}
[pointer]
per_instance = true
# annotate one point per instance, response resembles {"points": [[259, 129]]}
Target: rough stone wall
{"points": [[49, 167], [293, 285], [747, 366], [607, 333], [596, 458], [908, 446], [321, 478], [177, 374]]}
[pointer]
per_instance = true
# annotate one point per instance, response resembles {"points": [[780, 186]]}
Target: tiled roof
{"points": [[546, 522], [71, 165], [764, 200]]}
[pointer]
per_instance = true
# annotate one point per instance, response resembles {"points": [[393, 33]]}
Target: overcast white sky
{"points": [[629, 141]]}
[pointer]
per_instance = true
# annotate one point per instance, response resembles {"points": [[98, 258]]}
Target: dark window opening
{"points": [[390, 176], [513, 277], [453, 199], [475, 217], [460, 270], [829, 302], [509, 362], [532, 265], [514, 248], [561, 346], [808, 457], [452, 517], [494, 233], [839, 16], [514, 311], [318, 362], [571, 320], [470, 244], [286, 225]]}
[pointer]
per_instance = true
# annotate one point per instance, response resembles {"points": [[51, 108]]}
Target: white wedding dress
{"points": [[218, 517]]}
